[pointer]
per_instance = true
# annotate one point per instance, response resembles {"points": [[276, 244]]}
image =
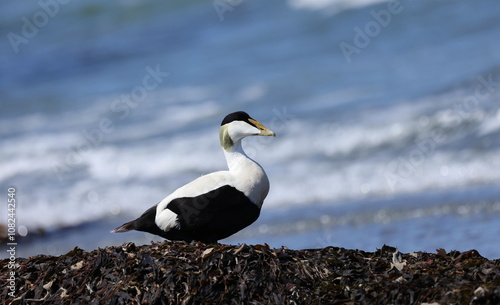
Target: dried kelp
{"points": [[180, 273]]}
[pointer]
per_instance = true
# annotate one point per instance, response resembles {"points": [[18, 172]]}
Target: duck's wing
{"points": [[212, 216], [191, 201]]}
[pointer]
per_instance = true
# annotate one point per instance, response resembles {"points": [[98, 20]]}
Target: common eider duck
{"points": [[216, 205]]}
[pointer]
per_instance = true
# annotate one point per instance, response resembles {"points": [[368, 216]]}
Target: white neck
{"points": [[236, 158], [248, 175]]}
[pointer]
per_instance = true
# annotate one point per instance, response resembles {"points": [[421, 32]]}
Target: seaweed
{"points": [[196, 273]]}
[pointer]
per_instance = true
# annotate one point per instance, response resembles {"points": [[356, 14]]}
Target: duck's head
{"points": [[238, 125]]}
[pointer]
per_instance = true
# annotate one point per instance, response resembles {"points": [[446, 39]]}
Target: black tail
{"points": [[125, 227], [145, 223]]}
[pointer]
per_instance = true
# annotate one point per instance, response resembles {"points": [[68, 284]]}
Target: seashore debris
{"points": [[195, 273]]}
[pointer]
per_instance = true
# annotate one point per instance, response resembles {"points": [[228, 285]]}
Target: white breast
{"points": [[248, 176]]}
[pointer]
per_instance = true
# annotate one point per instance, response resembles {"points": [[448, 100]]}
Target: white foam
{"points": [[331, 6], [491, 124]]}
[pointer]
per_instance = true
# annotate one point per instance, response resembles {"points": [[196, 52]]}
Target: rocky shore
{"points": [[180, 273]]}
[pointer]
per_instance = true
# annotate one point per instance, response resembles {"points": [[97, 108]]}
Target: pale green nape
{"points": [[225, 140]]}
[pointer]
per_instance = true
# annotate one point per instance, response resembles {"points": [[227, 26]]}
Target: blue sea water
{"points": [[387, 116]]}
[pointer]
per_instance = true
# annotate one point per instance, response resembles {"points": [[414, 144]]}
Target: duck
{"points": [[216, 205]]}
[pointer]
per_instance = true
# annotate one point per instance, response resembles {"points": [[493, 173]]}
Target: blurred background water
{"points": [[387, 115]]}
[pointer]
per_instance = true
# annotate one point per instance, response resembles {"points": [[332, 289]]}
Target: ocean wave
{"points": [[394, 151]]}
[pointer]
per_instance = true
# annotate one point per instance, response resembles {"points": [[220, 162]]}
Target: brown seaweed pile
{"points": [[180, 273]]}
